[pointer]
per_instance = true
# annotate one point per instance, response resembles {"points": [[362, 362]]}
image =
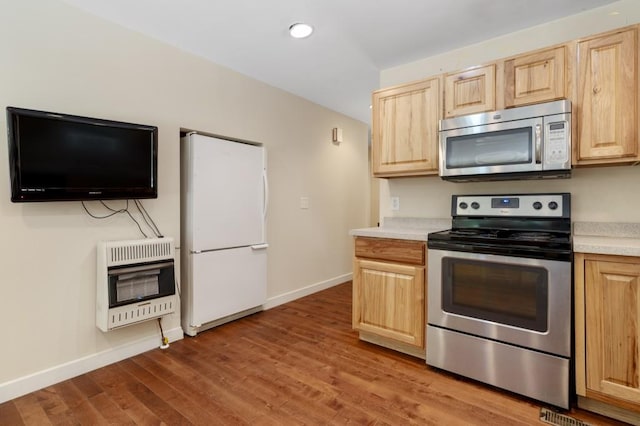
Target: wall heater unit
{"points": [[135, 281]]}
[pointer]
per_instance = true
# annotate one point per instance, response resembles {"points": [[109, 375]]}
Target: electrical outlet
{"points": [[304, 203], [395, 203]]}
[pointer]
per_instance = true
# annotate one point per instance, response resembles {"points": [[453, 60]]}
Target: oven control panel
{"points": [[527, 205]]}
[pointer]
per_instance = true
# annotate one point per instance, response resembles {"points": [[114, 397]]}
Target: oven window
{"points": [[502, 147], [508, 294]]}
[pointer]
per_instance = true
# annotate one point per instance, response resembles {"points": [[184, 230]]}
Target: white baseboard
{"points": [[272, 302], [24, 385], [41, 379]]}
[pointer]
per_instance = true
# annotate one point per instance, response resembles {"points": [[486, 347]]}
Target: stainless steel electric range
{"points": [[500, 295]]}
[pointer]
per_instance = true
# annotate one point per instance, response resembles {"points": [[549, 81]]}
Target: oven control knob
{"points": [[537, 205], [475, 205], [463, 205], [553, 205]]}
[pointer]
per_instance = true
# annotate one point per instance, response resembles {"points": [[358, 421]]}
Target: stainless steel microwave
{"points": [[526, 142]]}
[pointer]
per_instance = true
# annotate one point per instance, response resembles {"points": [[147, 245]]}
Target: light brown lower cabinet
{"points": [[389, 293], [607, 299]]}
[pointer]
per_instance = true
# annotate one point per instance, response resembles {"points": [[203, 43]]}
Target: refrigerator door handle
{"points": [[259, 246], [266, 192]]}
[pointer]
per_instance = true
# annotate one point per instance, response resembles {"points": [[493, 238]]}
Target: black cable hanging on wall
{"points": [[143, 212]]}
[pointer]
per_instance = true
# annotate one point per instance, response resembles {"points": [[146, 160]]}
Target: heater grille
{"points": [[129, 314], [131, 263], [127, 252]]}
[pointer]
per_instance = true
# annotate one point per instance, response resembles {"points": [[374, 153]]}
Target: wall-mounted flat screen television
{"points": [[61, 157]]}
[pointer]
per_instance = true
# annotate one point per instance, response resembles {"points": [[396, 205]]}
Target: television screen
{"points": [[56, 157]]}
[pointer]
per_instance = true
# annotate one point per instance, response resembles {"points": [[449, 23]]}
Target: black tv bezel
{"points": [[70, 194]]}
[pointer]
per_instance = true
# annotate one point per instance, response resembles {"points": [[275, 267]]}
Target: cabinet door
{"points": [[405, 129], [612, 331], [470, 91], [535, 77], [388, 300], [607, 99]]}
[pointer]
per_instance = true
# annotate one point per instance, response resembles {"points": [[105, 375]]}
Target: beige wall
{"points": [[598, 194], [54, 57]]}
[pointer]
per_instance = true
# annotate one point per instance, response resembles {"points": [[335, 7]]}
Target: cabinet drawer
{"points": [[405, 251]]}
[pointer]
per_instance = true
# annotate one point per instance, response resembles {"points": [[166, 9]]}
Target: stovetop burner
{"points": [[471, 232], [532, 236], [532, 225], [502, 236]]}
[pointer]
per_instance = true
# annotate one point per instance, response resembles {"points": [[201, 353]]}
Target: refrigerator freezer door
{"points": [[227, 193], [227, 282]]}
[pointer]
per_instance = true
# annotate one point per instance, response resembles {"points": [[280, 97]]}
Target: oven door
{"points": [[521, 301]]}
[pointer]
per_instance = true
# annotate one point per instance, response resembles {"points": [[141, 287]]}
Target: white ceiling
{"points": [[339, 65]]}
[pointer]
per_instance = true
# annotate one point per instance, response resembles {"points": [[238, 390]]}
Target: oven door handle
{"points": [[538, 143]]}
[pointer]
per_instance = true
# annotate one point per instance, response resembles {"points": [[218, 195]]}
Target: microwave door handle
{"points": [[538, 142]]}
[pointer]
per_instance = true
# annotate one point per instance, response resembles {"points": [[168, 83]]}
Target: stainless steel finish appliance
{"points": [[500, 294], [520, 143]]}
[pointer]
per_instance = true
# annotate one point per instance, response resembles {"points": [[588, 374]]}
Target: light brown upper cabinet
{"points": [[405, 129], [536, 77], [470, 91], [607, 99]]}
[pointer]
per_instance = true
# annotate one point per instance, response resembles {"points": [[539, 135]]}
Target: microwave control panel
{"points": [[556, 144]]}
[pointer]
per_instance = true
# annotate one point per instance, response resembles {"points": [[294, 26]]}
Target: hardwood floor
{"points": [[299, 363]]}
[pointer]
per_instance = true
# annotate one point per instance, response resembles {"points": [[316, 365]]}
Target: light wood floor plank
{"points": [[299, 363]]}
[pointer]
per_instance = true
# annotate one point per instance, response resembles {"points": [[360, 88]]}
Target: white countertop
{"points": [[606, 245], [404, 228], [622, 239]]}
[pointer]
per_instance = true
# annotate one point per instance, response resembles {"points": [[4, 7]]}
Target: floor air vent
{"points": [[553, 418]]}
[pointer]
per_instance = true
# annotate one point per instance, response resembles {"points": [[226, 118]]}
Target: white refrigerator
{"points": [[223, 249]]}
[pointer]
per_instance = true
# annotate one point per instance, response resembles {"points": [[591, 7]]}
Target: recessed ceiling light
{"points": [[300, 30], [614, 13]]}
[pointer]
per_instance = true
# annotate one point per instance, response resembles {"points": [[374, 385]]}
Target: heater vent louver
{"points": [[135, 281], [126, 252], [129, 314]]}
